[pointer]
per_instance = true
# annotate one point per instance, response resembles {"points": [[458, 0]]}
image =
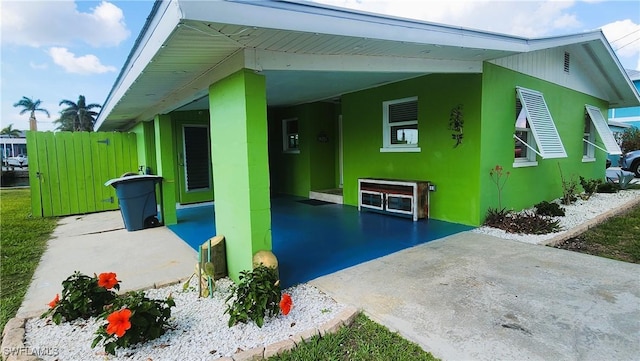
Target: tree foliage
{"points": [[78, 116], [630, 140], [31, 106], [10, 131]]}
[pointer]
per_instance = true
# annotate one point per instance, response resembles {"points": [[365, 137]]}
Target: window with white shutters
{"points": [[609, 144], [547, 140]]}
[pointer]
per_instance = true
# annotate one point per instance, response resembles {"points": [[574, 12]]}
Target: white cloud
{"points": [[624, 37], [519, 18], [38, 66], [86, 64], [51, 23]]}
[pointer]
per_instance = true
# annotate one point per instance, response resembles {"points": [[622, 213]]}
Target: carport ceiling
{"points": [[196, 54]]}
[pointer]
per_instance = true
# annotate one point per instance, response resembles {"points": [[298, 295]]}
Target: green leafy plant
{"points": [[568, 189], [133, 318], [545, 208], [496, 176], [256, 296], [526, 223], [607, 188], [456, 123], [589, 186], [531, 223], [83, 297], [624, 180], [630, 139], [495, 217]]}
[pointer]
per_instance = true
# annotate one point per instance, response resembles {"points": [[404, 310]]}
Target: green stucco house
{"points": [[234, 101]]}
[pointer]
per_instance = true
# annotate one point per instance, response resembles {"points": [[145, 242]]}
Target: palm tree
{"points": [[29, 105], [77, 116], [10, 131]]}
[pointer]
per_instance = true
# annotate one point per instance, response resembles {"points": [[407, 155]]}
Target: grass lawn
{"points": [[617, 238], [363, 340], [22, 242]]}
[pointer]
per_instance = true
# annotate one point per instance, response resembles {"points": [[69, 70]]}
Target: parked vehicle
{"points": [[631, 161], [19, 161]]}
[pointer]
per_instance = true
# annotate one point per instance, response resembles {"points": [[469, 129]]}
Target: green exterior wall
{"points": [[313, 168], [166, 161], [240, 160], [196, 117], [454, 171], [530, 185], [145, 136]]}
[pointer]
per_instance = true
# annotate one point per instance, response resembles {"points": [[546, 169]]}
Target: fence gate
{"points": [[67, 170]]}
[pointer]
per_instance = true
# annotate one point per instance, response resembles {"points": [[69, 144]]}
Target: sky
{"points": [[53, 50]]}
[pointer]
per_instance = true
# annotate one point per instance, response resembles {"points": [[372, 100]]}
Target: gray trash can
{"points": [[137, 197]]}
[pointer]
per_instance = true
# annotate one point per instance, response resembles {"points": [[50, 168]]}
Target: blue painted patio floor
{"points": [[314, 240]]}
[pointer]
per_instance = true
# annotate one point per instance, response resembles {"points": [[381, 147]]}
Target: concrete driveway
{"points": [[477, 297]]}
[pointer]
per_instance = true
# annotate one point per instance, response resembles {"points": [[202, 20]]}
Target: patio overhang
{"points": [[307, 52]]}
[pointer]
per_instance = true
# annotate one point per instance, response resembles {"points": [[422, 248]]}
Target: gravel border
{"points": [[579, 217], [313, 313]]}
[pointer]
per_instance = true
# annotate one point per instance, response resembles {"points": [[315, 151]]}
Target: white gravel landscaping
{"points": [[575, 214], [199, 328]]}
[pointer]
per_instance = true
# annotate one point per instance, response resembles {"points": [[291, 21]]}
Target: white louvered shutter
{"points": [[541, 123], [603, 130]]}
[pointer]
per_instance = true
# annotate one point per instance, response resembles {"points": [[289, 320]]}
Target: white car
{"points": [[19, 161]]}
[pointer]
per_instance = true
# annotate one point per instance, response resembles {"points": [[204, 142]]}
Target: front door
{"points": [[194, 162]]}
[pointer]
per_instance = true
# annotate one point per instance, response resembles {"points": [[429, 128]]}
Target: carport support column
{"points": [[238, 111], [166, 163]]}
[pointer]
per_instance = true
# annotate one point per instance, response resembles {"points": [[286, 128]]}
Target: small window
{"points": [[400, 125], [523, 138], [597, 122], [546, 141], [588, 150], [567, 62], [290, 136]]}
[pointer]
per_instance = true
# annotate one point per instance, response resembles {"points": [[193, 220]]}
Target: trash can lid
{"points": [[133, 178]]}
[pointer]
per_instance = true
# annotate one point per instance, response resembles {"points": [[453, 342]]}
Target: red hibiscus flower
{"points": [[285, 304], [55, 301], [107, 280], [119, 322]]}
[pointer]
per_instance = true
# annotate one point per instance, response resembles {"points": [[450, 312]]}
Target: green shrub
{"points": [[630, 140], [545, 208], [607, 188], [495, 217], [589, 186], [256, 296], [131, 319], [568, 188], [82, 297], [531, 223]]}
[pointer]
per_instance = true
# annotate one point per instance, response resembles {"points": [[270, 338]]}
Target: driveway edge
{"points": [[590, 224]]}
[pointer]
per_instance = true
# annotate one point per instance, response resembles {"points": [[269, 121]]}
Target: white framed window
{"points": [[523, 140], [535, 113], [595, 120], [290, 136], [588, 139], [400, 125]]}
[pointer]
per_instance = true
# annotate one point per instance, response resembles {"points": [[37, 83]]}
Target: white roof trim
{"points": [[603, 130], [541, 123]]}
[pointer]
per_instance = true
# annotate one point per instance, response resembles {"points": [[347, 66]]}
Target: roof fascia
{"points": [[321, 19], [160, 24]]}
